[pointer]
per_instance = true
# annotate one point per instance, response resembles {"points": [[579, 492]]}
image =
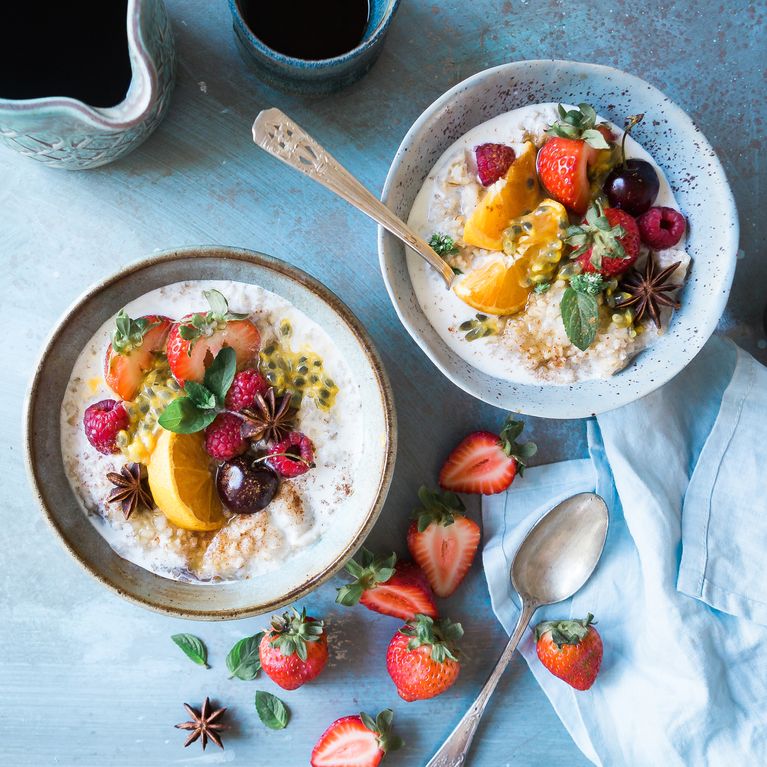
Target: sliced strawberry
{"points": [[485, 462], [493, 160], [385, 586], [133, 350], [563, 170], [356, 741], [442, 540]]}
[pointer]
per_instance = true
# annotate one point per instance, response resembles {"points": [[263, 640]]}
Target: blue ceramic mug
{"points": [[319, 76]]}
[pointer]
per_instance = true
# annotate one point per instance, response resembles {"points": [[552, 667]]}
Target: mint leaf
{"points": [[220, 374], [182, 417], [201, 397], [218, 304], [271, 710], [580, 316], [192, 647], [244, 661]]}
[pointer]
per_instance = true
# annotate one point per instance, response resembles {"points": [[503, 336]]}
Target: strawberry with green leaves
{"points": [[356, 741], [571, 650], [442, 540]]}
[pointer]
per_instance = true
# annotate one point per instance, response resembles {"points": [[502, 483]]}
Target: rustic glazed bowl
{"points": [[675, 143], [309, 568]]}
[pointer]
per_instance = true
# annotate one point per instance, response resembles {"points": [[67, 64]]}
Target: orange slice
{"points": [[495, 288], [514, 195]]}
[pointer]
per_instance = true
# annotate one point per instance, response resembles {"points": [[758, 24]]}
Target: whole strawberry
{"points": [[356, 741], [422, 658], [294, 650], [571, 650], [102, 421]]}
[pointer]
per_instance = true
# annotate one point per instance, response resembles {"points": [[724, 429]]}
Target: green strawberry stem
{"points": [[571, 632]]}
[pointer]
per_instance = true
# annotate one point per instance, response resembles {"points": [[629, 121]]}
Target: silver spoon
{"points": [[275, 132], [554, 560]]}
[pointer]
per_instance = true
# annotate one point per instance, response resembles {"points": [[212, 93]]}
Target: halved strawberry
{"points": [[133, 350], [356, 741], [196, 339], [385, 586], [485, 462], [442, 540]]}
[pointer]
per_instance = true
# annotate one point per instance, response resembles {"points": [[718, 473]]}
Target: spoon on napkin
{"points": [[277, 134], [557, 556]]}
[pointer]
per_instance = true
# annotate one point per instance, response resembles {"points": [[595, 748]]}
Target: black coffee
{"points": [[308, 29], [77, 49]]}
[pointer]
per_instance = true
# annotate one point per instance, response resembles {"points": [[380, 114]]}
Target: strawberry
{"points": [[385, 586], [606, 242], [493, 160], [196, 339], [356, 741], [422, 658], [442, 540], [133, 351], [485, 462], [571, 650], [563, 161], [294, 650]]}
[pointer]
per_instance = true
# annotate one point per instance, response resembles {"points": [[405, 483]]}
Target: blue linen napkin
{"points": [[680, 594]]}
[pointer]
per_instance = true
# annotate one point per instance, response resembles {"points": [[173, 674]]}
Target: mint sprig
{"points": [[580, 309]]}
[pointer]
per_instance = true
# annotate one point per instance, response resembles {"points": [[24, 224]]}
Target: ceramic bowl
{"points": [[677, 145], [309, 568], [314, 77]]}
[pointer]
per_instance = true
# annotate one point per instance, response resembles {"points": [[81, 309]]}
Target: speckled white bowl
{"points": [[677, 145]]}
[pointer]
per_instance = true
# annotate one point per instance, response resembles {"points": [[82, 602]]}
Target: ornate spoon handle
{"points": [[275, 132], [454, 750]]}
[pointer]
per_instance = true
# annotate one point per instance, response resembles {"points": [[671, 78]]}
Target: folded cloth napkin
{"points": [[680, 594]]}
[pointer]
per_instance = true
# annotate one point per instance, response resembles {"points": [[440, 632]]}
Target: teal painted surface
{"points": [[86, 679]]}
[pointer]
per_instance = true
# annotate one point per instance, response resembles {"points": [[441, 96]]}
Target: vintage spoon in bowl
{"points": [[554, 560], [276, 133]]}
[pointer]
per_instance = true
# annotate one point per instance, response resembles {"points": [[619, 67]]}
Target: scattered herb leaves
{"points": [[193, 648], [271, 711], [244, 661], [443, 245], [220, 374], [580, 309], [181, 416]]}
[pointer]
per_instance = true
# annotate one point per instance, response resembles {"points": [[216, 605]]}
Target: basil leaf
{"points": [[193, 648], [182, 417], [220, 374], [271, 711], [580, 316], [244, 661], [200, 396]]}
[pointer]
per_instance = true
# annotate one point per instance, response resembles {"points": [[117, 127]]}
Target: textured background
{"points": [[87, 679]]}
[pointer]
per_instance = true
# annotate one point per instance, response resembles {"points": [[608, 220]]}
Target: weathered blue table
{"points": [[88, 679]]}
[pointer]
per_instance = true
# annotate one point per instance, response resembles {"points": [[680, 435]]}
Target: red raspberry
{"points": [[245, 386], [493, 160], [223, 438], [102, 421], [661, 228], [293, 456]]}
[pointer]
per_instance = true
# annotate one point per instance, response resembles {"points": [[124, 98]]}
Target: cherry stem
{"points": [[631, 121]]}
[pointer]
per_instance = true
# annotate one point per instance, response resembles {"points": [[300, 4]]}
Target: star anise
{"points": [[130, 489], [204, 725], [269, 420], [649, 291]]}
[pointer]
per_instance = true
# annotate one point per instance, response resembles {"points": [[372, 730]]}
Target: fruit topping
{"points": [[245, 386], [356, 741], [270, 420], [294, 649], [571, 650], [293, 455], [661, 228], [481, 326], [244, 487], [485, 462], [194, 341], [102, 421], [579, 308], [442, 540], [204, 725], [632, 185], [495, 288], [493, 160], [385, 586], [130, 489], [581, 123], [649, 291], [517, 193], [133, 350], [422, 658], [224, 439], [606, 242]]}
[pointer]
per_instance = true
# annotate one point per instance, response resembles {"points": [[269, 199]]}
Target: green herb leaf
{"points": [[220, 374], [192, 647], [580, 316], [443, 244], [201, 397], [542, 287], [182, 417], [244, 661], [218, 304], [271, 710]]}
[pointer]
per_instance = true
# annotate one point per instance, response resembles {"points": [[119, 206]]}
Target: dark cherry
{"points": [[632, 186], [245, 487]]}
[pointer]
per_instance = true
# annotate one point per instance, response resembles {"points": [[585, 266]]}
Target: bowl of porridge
{"points": [[195, 432], [590, 227]]}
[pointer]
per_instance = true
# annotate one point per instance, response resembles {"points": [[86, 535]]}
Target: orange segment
{"points": [[495, 288], [516, 194]]}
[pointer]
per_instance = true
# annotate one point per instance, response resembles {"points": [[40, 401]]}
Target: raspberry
{"points": [[245, 386], [292, 456], [102, 421], [661, 228], [223, 438], [493, 160]]}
